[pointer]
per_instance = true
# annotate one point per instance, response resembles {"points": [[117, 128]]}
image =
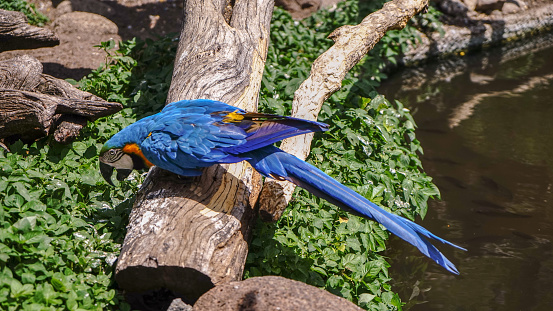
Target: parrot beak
{"points": [[107, 171], [123, 173], [124, 166]]}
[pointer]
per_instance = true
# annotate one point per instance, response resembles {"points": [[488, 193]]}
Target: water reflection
{"points": [[486, 126]]}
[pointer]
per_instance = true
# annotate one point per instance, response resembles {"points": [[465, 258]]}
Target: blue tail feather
{"points": [[271, 161]]}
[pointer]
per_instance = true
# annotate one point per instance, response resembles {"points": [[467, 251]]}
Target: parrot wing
{"points": [[261, 129], [191, 134], [266, 129]]}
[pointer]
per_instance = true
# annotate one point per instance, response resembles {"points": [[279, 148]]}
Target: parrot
{"points": [[189, 135]]}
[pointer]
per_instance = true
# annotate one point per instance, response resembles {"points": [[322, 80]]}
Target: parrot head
{"points": [[115, 159], [123, 160], [122, 152]]}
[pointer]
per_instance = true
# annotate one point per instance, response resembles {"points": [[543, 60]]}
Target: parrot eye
{"points": [[112, 155]]}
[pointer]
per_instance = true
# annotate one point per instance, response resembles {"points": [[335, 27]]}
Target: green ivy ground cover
{"points": [[61, 225]]}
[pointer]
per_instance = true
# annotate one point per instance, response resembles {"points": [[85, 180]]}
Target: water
{"points": [[486, 126]]}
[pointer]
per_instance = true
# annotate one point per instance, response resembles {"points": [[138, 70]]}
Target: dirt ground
{"points": [[102, 20], [76, 55], [134, 18], [81, 24]]}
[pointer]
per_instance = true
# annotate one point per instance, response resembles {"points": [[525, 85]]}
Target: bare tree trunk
{"points": [[351, 43], [189, 235]]}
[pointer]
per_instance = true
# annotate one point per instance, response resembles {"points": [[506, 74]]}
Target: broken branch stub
{"points": [[25, 114], [29, 115], [351, 43], [33, 104]]}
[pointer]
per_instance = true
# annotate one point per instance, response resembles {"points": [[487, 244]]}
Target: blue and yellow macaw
{"points": [[189, 135]]}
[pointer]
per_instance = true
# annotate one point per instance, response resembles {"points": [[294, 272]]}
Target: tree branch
{"points": [[351, 43]]}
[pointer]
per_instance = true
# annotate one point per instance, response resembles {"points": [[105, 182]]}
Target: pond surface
{"points": [[486, 126]]}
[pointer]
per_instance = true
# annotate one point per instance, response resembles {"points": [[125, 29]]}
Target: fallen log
{"points": [[17, 34], [33, 104], [25, 113], [20, 73]]}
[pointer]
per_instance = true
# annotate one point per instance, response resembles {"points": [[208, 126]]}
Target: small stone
{"points": [[514, 6], [488, 6], [453, 7], [63, 8], [470, 4], [179, 305], [509, 8]]}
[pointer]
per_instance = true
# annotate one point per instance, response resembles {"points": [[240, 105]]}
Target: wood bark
{"points": [[17, 34], [188, 235], [351, 43], [24, 113], [33, 104]]}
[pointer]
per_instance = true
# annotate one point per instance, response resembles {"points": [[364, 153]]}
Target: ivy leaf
{"points": [[26, 224], [22, 191], [366, 298]]}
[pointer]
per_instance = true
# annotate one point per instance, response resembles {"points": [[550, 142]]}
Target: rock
{"points": [[270, 293], [83, 22], [179, 305], [453, 7], [62, 8], [487, 6], [91, 6], [299, 8], [484, 30], [329, 3], [514, 6], [76, 55], [470, 4]]}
